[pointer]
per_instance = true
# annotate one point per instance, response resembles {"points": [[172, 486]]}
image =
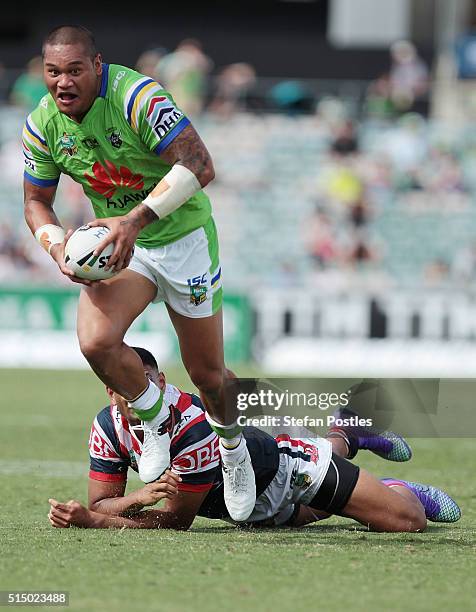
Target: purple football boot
{"points": [[439, 506], [385, 444]]}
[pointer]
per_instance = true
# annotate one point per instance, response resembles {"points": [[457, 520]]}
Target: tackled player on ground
{"points": [[298, 481]]}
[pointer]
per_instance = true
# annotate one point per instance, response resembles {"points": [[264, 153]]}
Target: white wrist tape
{"points": [[182, 185], [48, 235]]}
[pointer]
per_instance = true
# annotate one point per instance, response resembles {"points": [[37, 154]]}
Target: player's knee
{"points": [[96, 349], [207, 379], [411, 519]]}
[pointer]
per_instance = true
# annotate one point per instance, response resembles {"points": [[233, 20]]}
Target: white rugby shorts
{"points": [[186, 272], [303, 464]]}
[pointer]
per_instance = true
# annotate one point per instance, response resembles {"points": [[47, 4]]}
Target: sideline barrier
{"points": [[38, 328]]}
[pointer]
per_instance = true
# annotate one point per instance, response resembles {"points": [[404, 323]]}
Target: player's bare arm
{"points": [[38, 207], [189, 150], [179, 512], [109, 498], [186, 150]]}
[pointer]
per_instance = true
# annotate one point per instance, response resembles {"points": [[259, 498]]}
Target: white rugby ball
{"points": [[79, 253]]}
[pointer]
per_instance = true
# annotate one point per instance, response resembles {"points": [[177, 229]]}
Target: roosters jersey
{"points": [[114, 446], [114, 152]]}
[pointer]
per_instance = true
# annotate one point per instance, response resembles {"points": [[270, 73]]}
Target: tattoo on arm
{"points": [[141, 216], [189, 150]]}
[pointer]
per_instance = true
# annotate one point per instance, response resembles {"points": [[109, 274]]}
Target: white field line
{"points": [[49, 469], [43, 469]]}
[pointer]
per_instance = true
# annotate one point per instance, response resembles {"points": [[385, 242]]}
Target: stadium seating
{"points": [[273, 171]]}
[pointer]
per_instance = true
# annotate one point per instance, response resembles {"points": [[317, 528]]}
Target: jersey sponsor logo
{"points": [[90, 142], [162, 115], [120, 75], [30, 164], [100, 446], [28, 157], [68, 144], [114, 137], [108, 178], [198, 459], [129, 198]]}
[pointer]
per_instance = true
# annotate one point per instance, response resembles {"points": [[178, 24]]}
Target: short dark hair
{"points": [[146, 357], [71, 35]]}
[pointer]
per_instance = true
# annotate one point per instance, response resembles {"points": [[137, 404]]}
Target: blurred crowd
{"points": [[387, 153], [198, 84], [375, 173]]}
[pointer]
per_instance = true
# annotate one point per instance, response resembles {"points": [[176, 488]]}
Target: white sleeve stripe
{"points": [[102, 458], [34, 128], [130, 93], [35, 142], [143, 101]]}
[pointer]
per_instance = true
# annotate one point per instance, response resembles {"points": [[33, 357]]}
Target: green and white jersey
{"points": [[114, 152]]}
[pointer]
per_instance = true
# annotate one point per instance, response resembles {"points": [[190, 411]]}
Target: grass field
{"points": [[335, 565]]}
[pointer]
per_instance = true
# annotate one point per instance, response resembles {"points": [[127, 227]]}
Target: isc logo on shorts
{"points": [[197, 280]]}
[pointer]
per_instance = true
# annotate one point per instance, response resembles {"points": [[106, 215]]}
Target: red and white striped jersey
{"points": [[114, 446]]}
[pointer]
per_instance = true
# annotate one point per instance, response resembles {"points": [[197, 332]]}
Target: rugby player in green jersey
{"points": [[142, 165]]}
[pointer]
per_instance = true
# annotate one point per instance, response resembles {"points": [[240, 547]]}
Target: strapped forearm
{"points": [[177, 186], [43, 223]]}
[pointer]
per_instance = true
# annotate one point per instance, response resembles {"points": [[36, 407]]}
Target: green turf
{"points": [[335, 565]]}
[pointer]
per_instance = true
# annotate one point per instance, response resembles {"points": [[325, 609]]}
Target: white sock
{"points": [[149, 400], [230, 435], [232, 445]]}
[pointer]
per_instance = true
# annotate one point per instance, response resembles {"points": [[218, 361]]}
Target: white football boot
{"points": [[239, 485], [155, 457]]}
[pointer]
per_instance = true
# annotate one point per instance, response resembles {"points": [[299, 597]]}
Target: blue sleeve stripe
{"points": [[134, 96], [182, 124], [29, 128], [39, 181], [104, 80]]}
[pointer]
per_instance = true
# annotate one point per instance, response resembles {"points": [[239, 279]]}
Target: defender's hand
{"points": [[70, 513], [165, 487], [123, 234], [57, 252]]}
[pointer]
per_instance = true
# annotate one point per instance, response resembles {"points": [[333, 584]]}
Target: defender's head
{"points": [[151, 370]]}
